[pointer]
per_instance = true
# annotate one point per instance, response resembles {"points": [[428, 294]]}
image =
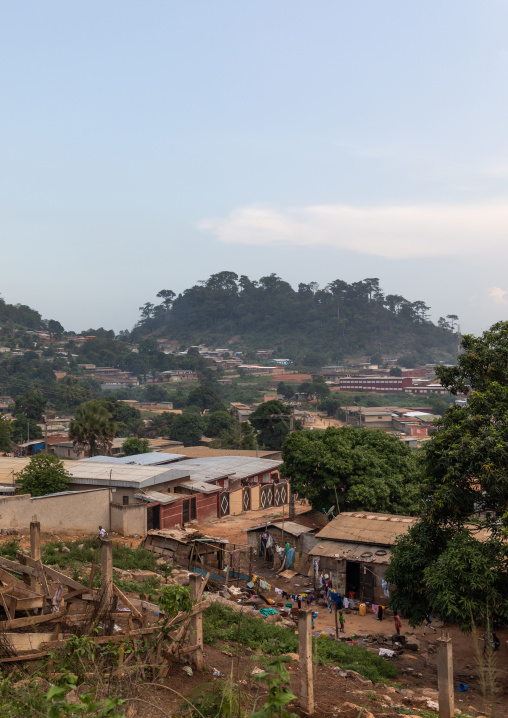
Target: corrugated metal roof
{"points": [[200, 486], [151, 496], [351, 552], [209, 468], [140, 477], [152, 458], [289, 527], [368, 528]]}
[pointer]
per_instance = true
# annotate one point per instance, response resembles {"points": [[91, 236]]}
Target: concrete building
{"points": [[354, 549]]}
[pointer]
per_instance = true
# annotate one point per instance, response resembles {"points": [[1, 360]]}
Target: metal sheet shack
{"points": [[355, 549]]}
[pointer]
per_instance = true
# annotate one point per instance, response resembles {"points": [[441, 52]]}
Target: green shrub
{"points": [[9, 549]]}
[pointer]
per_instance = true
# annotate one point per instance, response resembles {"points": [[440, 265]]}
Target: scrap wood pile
{"points": [[42, 608]]}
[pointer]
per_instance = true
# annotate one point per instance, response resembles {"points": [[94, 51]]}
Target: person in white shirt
{"points": [[103, 534]]}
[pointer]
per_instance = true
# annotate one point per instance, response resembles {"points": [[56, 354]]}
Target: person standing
{"points": [[398, 624], [342, 621], [380, 612]]}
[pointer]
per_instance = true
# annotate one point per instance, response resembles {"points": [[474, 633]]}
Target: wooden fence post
{"points": [[107, 569], [35, 553], [305, 656], [196, 624]]}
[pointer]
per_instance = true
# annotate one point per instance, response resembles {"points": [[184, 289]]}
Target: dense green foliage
{"points": [[124, 557], [310, 324], [23, 429], [455, 562], [369, 470], [133, 446], [224, 623], [271, 430], [31, 404], [44, 474], [92, 429], [187, 428], [5, 434]]}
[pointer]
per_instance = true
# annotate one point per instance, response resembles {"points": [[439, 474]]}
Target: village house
{"points": [[354, 549]]}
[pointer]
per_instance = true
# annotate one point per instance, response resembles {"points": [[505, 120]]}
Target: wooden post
{"points": [[336, 623], [196, 624], [35, 553], [305, 656], [251, 561], [292, 510], [445, 677], [107, 569], [228, 563]]}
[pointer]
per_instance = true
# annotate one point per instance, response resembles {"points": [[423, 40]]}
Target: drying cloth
{"points": [[235, 561], [329, 602], [286, 548], [267, 612], [290, 557]]}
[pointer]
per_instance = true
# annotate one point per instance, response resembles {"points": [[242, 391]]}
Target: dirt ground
{"points": [[465, 647]]}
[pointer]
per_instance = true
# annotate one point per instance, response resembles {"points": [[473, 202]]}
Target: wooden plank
{"points": [[26, 657], [62, 578], [126, 601], [15, 566], [32, 620], [7, 612], [39, 568], [11, 580]]}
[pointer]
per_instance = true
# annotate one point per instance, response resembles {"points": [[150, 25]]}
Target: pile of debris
{"points": [[43, 608]]}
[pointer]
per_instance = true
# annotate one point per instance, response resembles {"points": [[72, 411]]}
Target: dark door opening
{"points": [[185, 512], [153, 517], [193, 509], [353, 577]]}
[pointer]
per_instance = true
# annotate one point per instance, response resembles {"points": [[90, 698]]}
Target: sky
{"points": [[146, 145]]}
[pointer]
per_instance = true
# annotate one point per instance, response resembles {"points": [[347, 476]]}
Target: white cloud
{"points": [[498, 295], [385, 231]]}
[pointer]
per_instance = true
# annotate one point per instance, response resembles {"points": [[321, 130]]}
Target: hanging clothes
{"points": [[269, 541], [286, 548], [290, 557]]}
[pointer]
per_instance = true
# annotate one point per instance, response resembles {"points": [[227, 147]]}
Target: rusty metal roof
{"points": [[366, 527], [351, 552]]}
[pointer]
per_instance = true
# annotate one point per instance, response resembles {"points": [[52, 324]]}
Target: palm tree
{"points": [[93, 428]]}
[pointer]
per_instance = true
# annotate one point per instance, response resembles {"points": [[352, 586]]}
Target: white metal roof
{"points": [[209, 468], [126, 475], [151, 458]]}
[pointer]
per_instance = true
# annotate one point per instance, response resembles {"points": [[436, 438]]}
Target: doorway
{"points": [[153, 517], [353, 577]]}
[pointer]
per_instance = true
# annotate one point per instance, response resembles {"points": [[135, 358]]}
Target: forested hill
{"points": [[24, 317], [336, 321]]}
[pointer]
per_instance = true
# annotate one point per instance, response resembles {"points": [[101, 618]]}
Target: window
{"points": [[125, 500]]}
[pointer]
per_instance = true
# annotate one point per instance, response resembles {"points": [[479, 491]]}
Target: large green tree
{"points": [[93, 428], [271, 421], [23, 429], [455, 562], [365, 468], [187, 428], [5, 434], [31, 404], [133, 446], [44, 474]]}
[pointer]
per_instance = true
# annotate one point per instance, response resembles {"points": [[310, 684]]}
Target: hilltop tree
{"points": [[44, 474], [367, 469], [93, 429], [454, 562]]}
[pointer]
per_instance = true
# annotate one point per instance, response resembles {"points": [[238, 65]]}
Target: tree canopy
{"points": [[133, 446], [455, 561], [92, 429], [44, 474], [365, 469], [187, 428], [309, 323], [271, 430]]}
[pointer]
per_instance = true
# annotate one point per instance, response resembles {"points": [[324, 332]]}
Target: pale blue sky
{"points": [[145, 145]]}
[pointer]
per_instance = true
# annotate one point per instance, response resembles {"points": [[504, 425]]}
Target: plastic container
{"points": [[363, 609], [463, 687]]}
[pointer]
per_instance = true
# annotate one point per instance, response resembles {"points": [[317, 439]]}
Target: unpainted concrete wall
{"points": [[76, 511], [129, 520]]}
